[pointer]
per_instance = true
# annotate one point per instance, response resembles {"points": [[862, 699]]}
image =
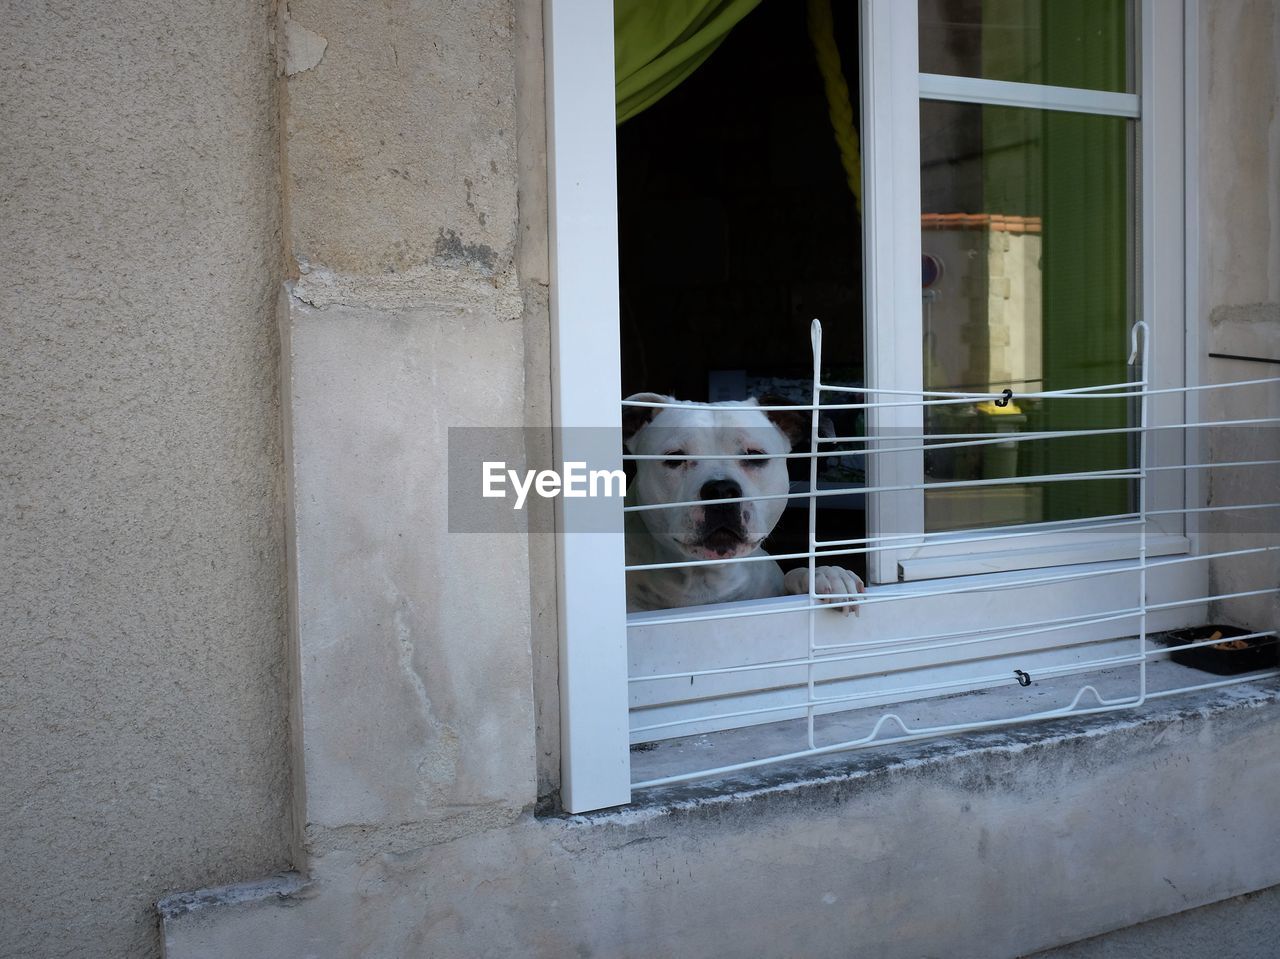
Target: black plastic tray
{"points": [[1260, 652]]}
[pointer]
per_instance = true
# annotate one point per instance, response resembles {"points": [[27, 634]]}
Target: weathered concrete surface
{"points": [[401, 141], [415, 672], [1240, 295], [415, 684], [534, 269], [996, 848], [1246, 927], [142, 616], [1240, 151], [1251, 331]]}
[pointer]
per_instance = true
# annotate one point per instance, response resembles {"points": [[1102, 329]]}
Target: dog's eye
{"points": [[675, 464], [754, 463]]}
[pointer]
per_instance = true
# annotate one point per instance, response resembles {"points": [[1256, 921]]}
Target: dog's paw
{"points": [[835, 582]]}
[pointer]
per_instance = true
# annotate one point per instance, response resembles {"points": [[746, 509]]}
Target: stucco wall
{"points": [[1240, 293], [142, 680], [1240, 151]]}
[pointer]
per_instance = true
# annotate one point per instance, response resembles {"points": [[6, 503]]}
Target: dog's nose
{"points": [[720, 489]]}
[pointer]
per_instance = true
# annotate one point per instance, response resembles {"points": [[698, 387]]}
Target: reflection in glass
{"points": [[1067, 43], [1026, 237]]}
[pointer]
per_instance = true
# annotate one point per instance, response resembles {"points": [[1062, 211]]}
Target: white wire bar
{"points": [[1131, 474], [867, 544], [815, 683], [1120, 390], [838, 600], [958, 440]]}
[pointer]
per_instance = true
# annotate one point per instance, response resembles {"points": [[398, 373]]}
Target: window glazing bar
{"points": [[1005, 93]]}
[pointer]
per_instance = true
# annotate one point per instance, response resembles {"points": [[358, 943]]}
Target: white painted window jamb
{"points": [[1191, 246], [1164, 276], [891, 262], [586, 379]]}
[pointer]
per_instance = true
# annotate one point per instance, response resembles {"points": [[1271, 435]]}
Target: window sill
{"points": [[653, 762]]}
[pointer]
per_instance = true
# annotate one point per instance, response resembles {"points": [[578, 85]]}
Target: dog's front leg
{"points": [[836, 582]]}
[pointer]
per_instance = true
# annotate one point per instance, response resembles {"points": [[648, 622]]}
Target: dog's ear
{"points": [[794, 423], [634, 418]]}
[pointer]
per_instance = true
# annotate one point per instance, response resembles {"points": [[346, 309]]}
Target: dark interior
{"points": [[737, 227]]}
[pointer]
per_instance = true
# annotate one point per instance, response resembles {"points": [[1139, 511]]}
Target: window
{"points": [[1030, 154], [1030, 122]]}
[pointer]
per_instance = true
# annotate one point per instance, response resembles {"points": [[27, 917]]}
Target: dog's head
{"points": [[708, 454]]}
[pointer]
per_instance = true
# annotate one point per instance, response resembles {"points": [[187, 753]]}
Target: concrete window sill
{"points": [[841, 774], [986, 846]]}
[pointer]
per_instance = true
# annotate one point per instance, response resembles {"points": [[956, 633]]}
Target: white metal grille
{"points": [[783, 667]]}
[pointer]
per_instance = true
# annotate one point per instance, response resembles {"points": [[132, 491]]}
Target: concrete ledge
{"points": [[835, 776], [986, 846], [274, 887], [190, 912], [1250, 332]]}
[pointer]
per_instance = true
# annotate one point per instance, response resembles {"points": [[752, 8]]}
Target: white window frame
{"points": [[585, 346], [892, 190], [583, 221]]}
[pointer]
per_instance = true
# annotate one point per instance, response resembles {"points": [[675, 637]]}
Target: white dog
{"points": [[713, 529]]}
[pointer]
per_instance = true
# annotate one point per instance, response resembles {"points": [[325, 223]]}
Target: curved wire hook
{"points": [[884, 720], [1133, 340]]}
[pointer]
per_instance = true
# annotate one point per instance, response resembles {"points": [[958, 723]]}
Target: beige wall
{"points": [[1240, 156], [1240, 295], [142, 617]]}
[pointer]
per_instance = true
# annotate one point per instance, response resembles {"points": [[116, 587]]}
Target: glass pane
{"points": [[1067, 43], [1027, 251]]}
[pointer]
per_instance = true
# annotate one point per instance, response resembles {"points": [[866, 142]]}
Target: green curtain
{"points": [[657, 44]]}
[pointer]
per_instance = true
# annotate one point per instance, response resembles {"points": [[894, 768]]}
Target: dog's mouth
{"points": [[722, 542]]}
